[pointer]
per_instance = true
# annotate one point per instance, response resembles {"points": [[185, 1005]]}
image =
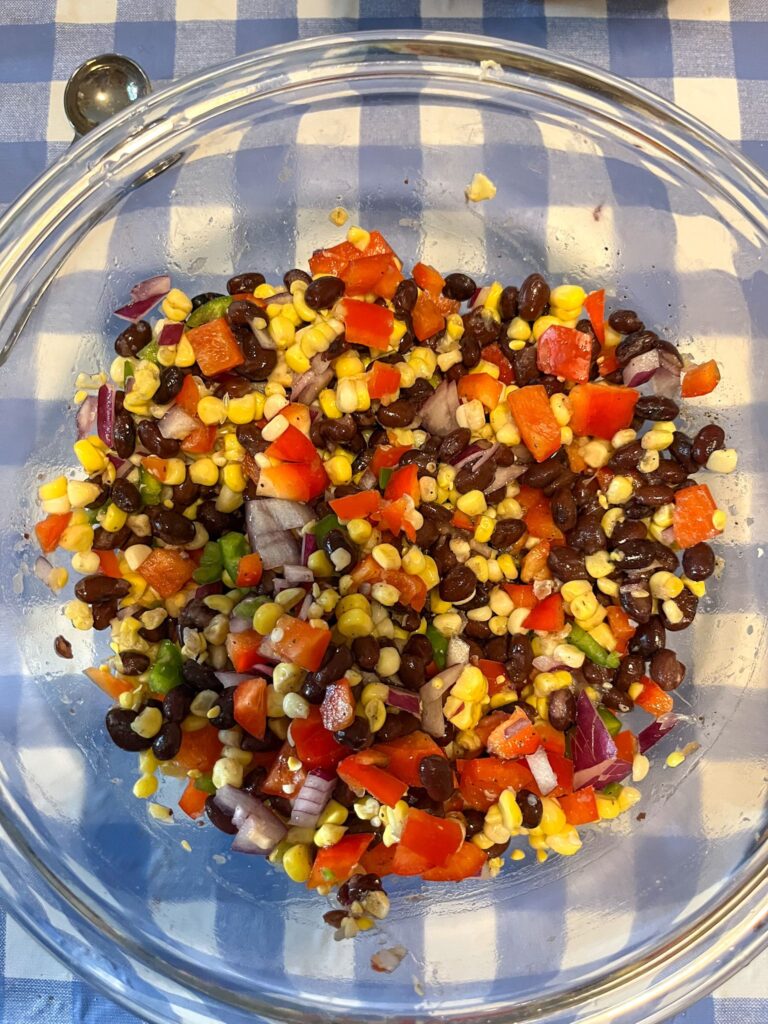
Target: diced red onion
{"points": [[438, 686], [228, 679], [171, 334], [283, 298], [458, 652], [176, 423], [438, 414], [260, 832], [592, 744], [543, 663], [466, 455], [542, 771], [666, 381], [308, 546], [641, 368], [268, 524], [615, 772], [387, 960], [153, 286], [504, 475], [308, 385], [481, 294], [239, 625], [542, 589], [86, 417], [263, 337], [312, 798], [405, 700], [367, 481], [668, 536], [432, 717], [298, 574], [267, 651], [43, 569], [105, 414], [306, 604], [656, 730], [207, 589], [125, 613]]}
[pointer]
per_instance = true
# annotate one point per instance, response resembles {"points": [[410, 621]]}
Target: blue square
{"points": [[702, 49], [26, 52], [640, 48], [636, 186], [20, 164], [88, 1007], [152, 46], [76, 43], [531, 30], [146, 10], [507, 10], [256, 34], [702, 1012], [29, 1001], [757, 151], [371, 22], [750, 47]]}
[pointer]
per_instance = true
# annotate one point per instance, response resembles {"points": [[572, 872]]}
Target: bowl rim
{"points": [[735, 929]]}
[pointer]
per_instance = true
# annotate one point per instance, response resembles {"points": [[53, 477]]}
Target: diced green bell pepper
{"points": [[150, 487], [439, 646], [165, 674], [150, 351], [323, 527], [593, 650], [210, 310], [610, 721], [211, 564], [233, 547], [247, 608]]}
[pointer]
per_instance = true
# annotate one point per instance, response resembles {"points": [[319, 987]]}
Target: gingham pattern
{"points": [[706, 55]]}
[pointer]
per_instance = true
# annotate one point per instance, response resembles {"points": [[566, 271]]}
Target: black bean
{"points": [[564, 510], [496, 649], [654, 495], [103, 614], [134, 663], [171, 383], [357, 887], [664, 557], [656, 407], [562, 710], [167, 743], [585, 494], [176, 702], [259, 746], [477, 631], [324, 292], [625, 321], [597, 675], [259, 362], [126, 495], [627, 457], [356, 736], [225, 702], [542, 473], [124, 435], [244, 283], [470, 478], [635, 345], [427, 534], [171, 526], [525, 366], [506, 533], [296, 275], [563, 481], [588, 534], [666, 670], [200, 677], [531, 807], [133, 339], [436, 777], [454, 444], [566, 564], [459, 286], [396, 726], [519, 659], [470, 354], [459, 585], [628, 529], [340, 550], [636, 601], [630, 671], [688, 604], [636, 554], [480, 327], [97, 588], [400, 413], [637, 510], [406, 296], [681, 449], [508, 303], [154, 442], [439, 513], [709, 439], [532, 297], [616, 700], [699, 561], [62, 647], [205, 297], [649, 637], [118, 723], [336, 663], [366, 652], [219, 818]]}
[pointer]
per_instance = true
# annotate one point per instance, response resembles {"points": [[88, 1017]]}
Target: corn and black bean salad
{"points": [[389, 563]]}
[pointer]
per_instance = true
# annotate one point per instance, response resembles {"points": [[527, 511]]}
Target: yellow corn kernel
{"points": [[447, 623], [599, 565], [511, 815], [619, 490], [566, 843], [85, 562], [575, 588], [455, 327], [584, 604], [675, 759], [320, 564], [375, 712], [185, 354], [204, 472], [724, 460], [507, 566], [413, 561], [233, 477], [56, 489], [568, 297], [265, 617], [541, 325], [519, 330], [610, 520], [593, 620], [672, 612], [596, 453], [697, 587], [552, 818], [479, 566], [472, 503], [282, 331], [607, 807], [429, 575], [77, 538], [628, 797], [665, 586], [355, 623], [603, 635], [657, 440], [719, 519], [561, 409], [328, 835], [176, 305], [145, 787], [296, 360], [358, 237], [90, 458], [359, 530], [334, 814], [338, 469], [211, 410], [296, 863], [114, 518], [471, 685], [387, 556], [484, 529]]}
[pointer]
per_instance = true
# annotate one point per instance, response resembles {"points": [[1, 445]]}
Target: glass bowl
{"points": [[600, 183]]}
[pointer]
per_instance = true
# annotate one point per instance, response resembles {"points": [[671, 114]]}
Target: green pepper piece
{"points": [[612, 789], [439, 646], [150, 351], [150, 488], [248, 607], [127, 370], [610, 721], [323, 527], [205, 784], [211, 564], [593, 650], [165, 674], [211, 310], [384, 475], [233, 547]]}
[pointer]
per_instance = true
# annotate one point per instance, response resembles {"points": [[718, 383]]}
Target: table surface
{"points": [[708, 56]]}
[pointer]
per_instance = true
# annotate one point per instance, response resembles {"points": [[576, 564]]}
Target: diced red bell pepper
{"points": [[335, 864], [199, 441], [653, 699], [488, 723], [166, 571], [363, 275], [404, 755], [626, 746], [493, 354], [189, 396], [386, 456], [608, 361], [404, 480], [292, 481], [547, 616], [522, 594], [356, 506], [50, 529], [249, 570], [316, 747], [426, 318], [383, 379], [462, 521], [408, 863], [427, 278], [282, 780], [431, 837], [380, 784], [298, 416], [215, 347], [552, 739], [496, 674], [534, 565], [413, 590], [250, 706], [595, 307], [692, 517], [700, 380], [623, 631], [111, 685], [467, 862], [387, 284], [396, 517], [540, 522], [482, 780], [379, 860], [481, 386], [580, 808], [199, 751], [365, 323], [292, 446], [600, 410], [565, 352], [192, 800], [562, 766], [243, 649], [514, 737], [109, 564], [535, 420], [300, 643], [334, 259], [338, 707]]}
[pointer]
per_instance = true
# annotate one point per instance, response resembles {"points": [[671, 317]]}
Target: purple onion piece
{"points": [[207, 589], [43, 569], [438, 414], [136, 310], [105, 414], [152, 287], [86, 417], [260, 833], [405, 700], [176, 424], [542, 771], [656, 731], [298, 574], [312, 798], [592, 743], [308, 546], [171, 334], [641, 368]]}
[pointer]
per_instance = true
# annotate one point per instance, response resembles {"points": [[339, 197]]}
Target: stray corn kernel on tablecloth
{"points": [[708, 56]]}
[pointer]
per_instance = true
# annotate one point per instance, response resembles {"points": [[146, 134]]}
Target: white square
{"points": [[200, 238], [585, 927], [44, 768], [723, 638], [749, 983], [575, 9], [330, 128], [327, 9], [716, 797], [452, 9], [26, 958], [191, 921], [466, 126], [576, 239], [454, 239], [703, 244], [59, 129], [698, 10], [56, 358], [715, 101], [81, 12], [448, 941], [206, 10]]}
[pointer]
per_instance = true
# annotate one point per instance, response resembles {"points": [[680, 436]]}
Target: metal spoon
{"points": [[101, 87]]}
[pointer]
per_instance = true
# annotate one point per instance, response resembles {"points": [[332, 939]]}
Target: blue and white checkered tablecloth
{"points": [[708, 56]]}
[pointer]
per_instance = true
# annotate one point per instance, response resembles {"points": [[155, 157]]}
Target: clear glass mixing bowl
{"points": [[598, 182]]}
